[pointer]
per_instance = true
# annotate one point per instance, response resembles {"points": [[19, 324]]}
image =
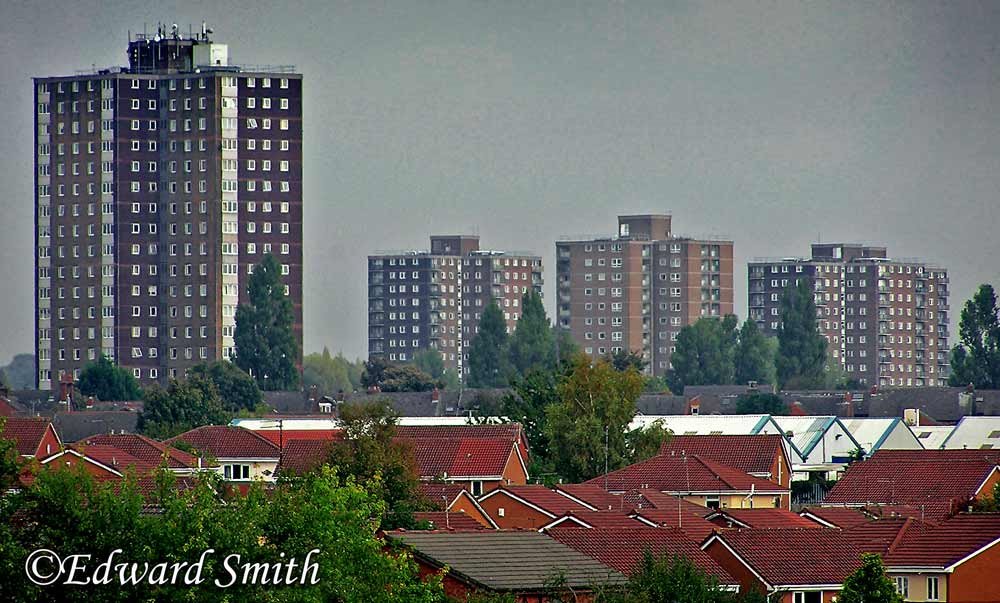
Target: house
{"points": [[956, 560], [874, 434], [146, 450], [760, 455], [589, 520], [837, 517], [523, 564], [448, 520], [454, 498], [33, 437], [824, 444], [698, 480], [759, 518], [682, 516], [529, 507], [933, 484], [796, 565], [975, 433], [624, 548], [82, 424], [242, 455]]}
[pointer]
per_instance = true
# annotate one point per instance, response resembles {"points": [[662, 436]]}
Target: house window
{"points": [[477, 488], [236, 472], [903, 586], [712, 502], [932, 589]]}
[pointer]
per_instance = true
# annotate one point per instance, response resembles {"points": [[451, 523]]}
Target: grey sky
{"points": [[775, 123]]}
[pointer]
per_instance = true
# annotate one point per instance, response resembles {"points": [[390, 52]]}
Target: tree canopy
{"points": [[869, 584], [265, 342], [760, 404], [754, 357], [331, 374], [237, 390], [533, 344], [975, 359], [182, 406], [108, 382], [488, 354], [704, 353], [801, 348]]}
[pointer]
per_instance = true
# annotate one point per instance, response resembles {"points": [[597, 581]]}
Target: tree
{"points": [[488, 365], [331, 375], [265, 343], [704, 354], [976, 358], [20, 372], [586, 428], [760, 404], [407, 378], [526, 405], [801, 348], [184, 405], [869, 584], [624, 360], [237, 390], [533, 344], [754, 358], [676, 578], [374, 373], [431, 362], [9, 466], [370, 454], [107, 382]]}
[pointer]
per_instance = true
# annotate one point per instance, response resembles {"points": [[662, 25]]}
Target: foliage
{"points": [[586, 428], [107, 382], [623, 360], [988, 504], [331, 374], [526, 405], [661, 579], [20, 373], [374, 372], [566, 348], [9, 466], [801, 348], [646, 442], [869, 584], [370, 455], [754, 357], [431, 362], [759, 403], [390, 377], [975, 359], [184, 405], [237, 390], [67, 511], [488, 361], [704, 354], [533, 344], [265, 342]]}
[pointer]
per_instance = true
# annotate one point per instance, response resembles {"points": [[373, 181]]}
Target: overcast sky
{"points": [[774, 123]]}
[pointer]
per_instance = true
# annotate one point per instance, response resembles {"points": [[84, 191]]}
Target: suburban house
{"points": [[761, 455], [145, 450], [698, 480], [932, 484], [975, 433], [454, 498], [524, 564], [624, 548], [529, 507], [82, 424], [34, 437], [241, 455], [874, 434], [956, 560]]}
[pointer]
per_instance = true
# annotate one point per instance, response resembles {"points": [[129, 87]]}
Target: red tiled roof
{"points": [[540, 496], [597, 519], [839, 517], [880, 536], [460, 457], [796, 556], [6, 408], [747, 453], [286, 436], [440, 495], [146, 449], [115, 458], [595, 496], [692, 473], [695, 526], [760, 518], [938, 482], [624, 548], [947, 543], [222, 441], [27, 433], [455, 522], [302, 456]]}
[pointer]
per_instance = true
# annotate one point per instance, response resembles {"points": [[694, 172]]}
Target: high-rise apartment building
{"points": [[636, 290], [885, 320], [158, 187], [433, 300]]}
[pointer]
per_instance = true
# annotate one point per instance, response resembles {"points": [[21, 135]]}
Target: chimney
{"points": [[436, 401], [849, 403], [694, 406]]}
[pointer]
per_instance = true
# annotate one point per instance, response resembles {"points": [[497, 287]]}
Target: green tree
{"points": [[327, 374], [430, 362], [533, 344], [566, 348], [237, 390], [265, 342], [869, 584], [704, 354], [370, 454], [624, 360], [407, 378], [801, 348], [663, 579], [587, 428], [760, 404], [374, 373], [20, 372], [184, 405], [526, 405], [754, 358], [976, 358], [488, 361], [9, 465], [107, 382]]}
